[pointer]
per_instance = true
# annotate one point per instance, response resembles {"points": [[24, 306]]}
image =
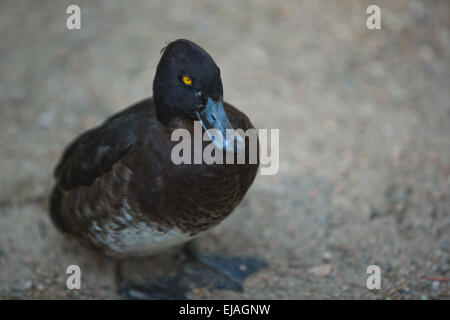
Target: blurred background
{"points": [[364, 137]]}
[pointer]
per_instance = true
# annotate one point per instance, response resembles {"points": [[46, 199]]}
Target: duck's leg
{"points": [[160, 289], [164, 288], [217, 272]]}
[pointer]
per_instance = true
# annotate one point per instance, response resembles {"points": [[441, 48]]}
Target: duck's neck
{"points": [[164, 113]]}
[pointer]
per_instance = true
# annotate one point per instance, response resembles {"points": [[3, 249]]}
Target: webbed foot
{"points": [[159, 289], [198, 271]]}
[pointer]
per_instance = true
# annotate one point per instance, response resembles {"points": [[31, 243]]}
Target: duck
{"points": [[117, 188]]}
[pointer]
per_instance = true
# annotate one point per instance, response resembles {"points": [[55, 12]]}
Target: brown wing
{"points": [[93, 154]]}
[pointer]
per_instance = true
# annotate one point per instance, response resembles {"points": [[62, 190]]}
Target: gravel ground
{"points": [[364, 138]]}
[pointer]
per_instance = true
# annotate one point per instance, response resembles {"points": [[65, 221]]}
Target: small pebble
{"points": [[45, 119], [326, 256], [28, 284], [435, 285], [321, 271]]}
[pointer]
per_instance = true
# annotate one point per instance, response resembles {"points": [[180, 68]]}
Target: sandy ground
{"points": [[364, 119]]}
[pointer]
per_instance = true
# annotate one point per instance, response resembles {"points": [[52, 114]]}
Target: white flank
{"points": [[136, 238]]}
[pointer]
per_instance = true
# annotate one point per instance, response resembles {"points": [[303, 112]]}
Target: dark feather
{"points": [[127, 158]]}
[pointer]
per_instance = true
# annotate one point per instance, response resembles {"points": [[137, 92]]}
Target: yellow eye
{"points": [[187, 81]]}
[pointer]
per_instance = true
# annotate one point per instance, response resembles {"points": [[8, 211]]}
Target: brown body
{"points": [[118, 190]]}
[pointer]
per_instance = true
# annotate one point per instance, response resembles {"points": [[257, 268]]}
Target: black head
{"points": [[185, 78], [187, 84]]}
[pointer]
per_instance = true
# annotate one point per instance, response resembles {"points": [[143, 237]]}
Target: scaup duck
{"points": [[117, 188]]}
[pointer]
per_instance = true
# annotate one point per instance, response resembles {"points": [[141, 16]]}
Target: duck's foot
{"points": [[160, 289], [217, 272], [199, 271]]}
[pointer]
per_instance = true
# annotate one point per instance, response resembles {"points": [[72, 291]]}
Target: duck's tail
{"points": [[56, 198]]}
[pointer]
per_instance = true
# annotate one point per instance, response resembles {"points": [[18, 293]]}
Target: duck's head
{"points": [[187, 84]]}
